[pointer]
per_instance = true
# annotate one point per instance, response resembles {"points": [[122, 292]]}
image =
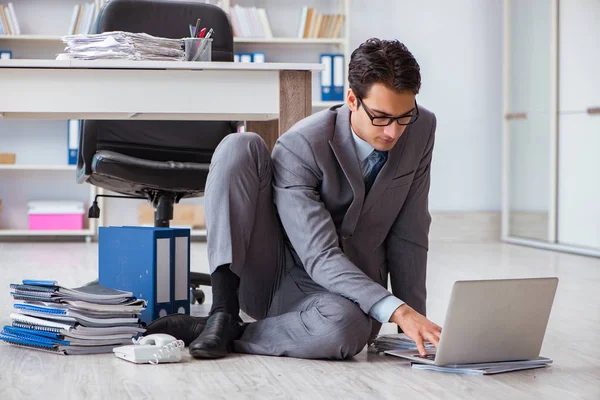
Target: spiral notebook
{"points": [[55, 345], [86, 320], [43, 290]]}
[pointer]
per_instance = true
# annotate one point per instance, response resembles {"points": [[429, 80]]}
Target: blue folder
{"points": [[152, 263]]}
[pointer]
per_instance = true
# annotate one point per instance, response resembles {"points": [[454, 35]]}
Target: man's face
{"points": [[380, 101]]}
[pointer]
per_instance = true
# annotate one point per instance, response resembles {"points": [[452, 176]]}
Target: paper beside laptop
{"points": [[400, 345], [484, 370]]}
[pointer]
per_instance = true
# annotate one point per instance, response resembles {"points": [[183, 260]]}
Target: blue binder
{"points": [[73, 140], [327, 77], [181, 271], [139, 260], [338, 78]]}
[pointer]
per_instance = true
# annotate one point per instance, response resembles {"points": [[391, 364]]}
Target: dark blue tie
{"points": [[375, 161]]}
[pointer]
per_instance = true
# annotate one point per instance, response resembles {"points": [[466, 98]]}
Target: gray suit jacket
{"points": [[340, 240]]}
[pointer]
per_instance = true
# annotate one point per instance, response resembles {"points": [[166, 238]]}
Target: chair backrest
{"points": [[184, 141], [169, 19]]}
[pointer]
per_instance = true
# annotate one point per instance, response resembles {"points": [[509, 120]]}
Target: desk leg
{"points": [[295, 103]]}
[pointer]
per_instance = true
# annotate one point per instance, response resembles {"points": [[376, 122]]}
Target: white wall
{"points": [[459, 47]]}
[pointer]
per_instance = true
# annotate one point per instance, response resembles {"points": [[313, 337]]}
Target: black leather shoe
{"points": [[216, 340], [180, 326]]}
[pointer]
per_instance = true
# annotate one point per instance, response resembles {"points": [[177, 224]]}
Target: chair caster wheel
{"points": [[198, 296]]}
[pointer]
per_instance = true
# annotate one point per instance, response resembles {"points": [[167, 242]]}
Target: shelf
{"points": [[34, 167], [27, 232], [288, 40], [279, 40], [56, 38]]}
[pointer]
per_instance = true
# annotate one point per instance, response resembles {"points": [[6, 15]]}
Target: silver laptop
{"points": [[492, 321]]}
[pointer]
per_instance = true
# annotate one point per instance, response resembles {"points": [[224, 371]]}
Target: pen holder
{"points": [[198, 49]]}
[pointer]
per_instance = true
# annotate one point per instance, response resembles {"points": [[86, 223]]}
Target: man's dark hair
{"points": [[383, 61]]}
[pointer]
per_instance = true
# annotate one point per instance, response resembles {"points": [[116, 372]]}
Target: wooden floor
{"points": [[572, 340]]}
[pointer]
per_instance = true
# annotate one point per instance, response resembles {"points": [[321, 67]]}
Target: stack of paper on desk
{"points": [[123, 46], [86, 320]]}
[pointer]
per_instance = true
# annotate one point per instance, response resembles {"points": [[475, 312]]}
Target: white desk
{"points": [[271, 96]]}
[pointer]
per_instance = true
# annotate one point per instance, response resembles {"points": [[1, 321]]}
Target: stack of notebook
{"points": [[87, 320]]}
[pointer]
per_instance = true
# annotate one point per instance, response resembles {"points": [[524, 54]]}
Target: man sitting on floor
{"points": [[304, 239]]}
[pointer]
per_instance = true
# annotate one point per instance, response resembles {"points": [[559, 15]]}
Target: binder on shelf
{"points": [[338, 77], [245, 57], [258, 57], [140, 260], [73, 140], [255, 57], [181, 271], [327, 77]]}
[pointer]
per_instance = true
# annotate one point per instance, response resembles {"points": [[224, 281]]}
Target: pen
{"points": [[191, 31], [202, 32], [203, 44], [197, 31]]}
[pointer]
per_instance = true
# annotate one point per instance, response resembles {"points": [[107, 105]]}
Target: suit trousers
{"points": [[244, 230]]}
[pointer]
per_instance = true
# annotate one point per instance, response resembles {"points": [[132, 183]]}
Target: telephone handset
{"points": [[156, 339], [153, 349]]}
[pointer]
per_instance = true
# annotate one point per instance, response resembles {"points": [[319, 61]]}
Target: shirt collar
{"points": [[363, 149]]}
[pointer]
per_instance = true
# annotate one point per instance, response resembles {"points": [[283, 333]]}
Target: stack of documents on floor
{"points": [[397, 341], [87, 320], [486, 368], [118, 45]]}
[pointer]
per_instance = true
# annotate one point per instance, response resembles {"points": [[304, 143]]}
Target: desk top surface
{"points": [[171, 65]]}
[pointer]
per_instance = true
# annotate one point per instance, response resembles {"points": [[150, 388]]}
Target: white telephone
{"points": [[153, 349]]}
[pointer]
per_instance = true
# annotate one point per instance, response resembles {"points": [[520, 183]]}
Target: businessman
{"points": [[305, 238]]}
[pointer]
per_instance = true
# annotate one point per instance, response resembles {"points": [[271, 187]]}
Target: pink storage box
{"points": [[55, 215]]}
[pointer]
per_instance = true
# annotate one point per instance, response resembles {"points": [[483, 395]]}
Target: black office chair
{"points": [[162, 161]]}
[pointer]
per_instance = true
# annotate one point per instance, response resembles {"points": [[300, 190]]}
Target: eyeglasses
{"points": [[403, 120]]}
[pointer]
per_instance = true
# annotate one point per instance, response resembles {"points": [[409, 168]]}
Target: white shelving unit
{"points": [[41, 146], [279, 40], [34, 167], [284, 18]]}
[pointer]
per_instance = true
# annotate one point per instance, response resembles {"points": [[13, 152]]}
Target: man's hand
{"points": [[416, 327]]}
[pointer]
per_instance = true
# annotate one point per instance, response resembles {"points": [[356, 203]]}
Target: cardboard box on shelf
{"points": [[8, 158], [184, 215]]}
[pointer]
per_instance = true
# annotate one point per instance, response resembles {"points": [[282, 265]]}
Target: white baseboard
{"points": [[465, 226]]}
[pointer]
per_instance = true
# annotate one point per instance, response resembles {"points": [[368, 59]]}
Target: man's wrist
{"points": [[399, 313]]}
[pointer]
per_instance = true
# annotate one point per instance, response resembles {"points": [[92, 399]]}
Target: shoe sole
{"points": [[206, 354]]}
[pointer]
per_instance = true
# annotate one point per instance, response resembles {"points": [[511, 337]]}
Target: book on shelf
{"points": [[83, 17], [9, 24], [250, 22], [314, 25]]}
